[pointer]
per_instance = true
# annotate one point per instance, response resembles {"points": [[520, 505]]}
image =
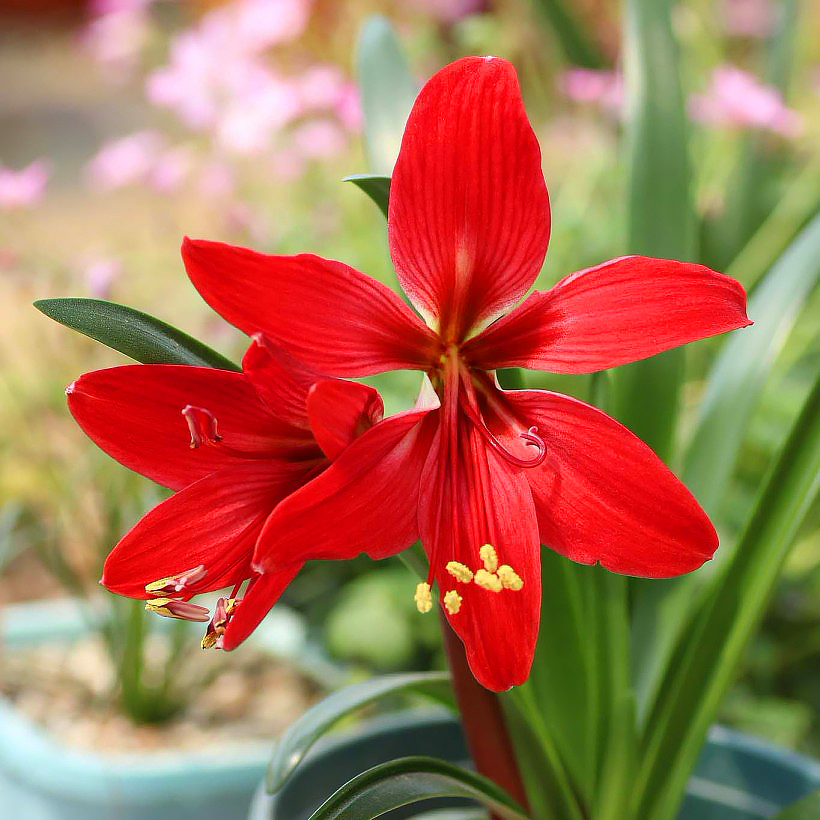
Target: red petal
{"points": [[134, 413], [262, 593], [366, 501], [214, 522], [340, 412], [281, 382], [328, 315], [492, 505], [602, 496], [469, 215], [619, 312]]}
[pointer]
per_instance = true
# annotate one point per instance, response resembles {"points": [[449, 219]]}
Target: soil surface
{"points": [[231, 699]]}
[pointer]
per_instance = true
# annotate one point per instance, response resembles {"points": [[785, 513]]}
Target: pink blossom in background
{"points": [[124, 161], [318, 139], [117, 34], [171, 169], [450, 11], [746, 18], [99, 274], [216, 180], [23, 188], [603, 89], [736, 99]]}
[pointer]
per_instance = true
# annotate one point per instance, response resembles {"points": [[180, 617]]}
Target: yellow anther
{"points": [[459, 572], [172, 608], [510, 579], [489, 557], [452, 602], [487, 580], [423, 598]]}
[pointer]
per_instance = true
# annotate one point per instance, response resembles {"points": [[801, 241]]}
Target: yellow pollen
{"points": [[487, 580], [158, 587], [159, 607], [489, 557], [423, 598], [210, 639], [452, 602], [459, 572], [510, 579]]}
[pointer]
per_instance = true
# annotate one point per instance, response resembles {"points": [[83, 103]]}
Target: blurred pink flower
{"points": [[603, 89], [736, 99], [23, 188], [124, 161], [450, 11], [318, 139], [117, 34], [171, 169], [746, 18], [217, 180], [99, 274]]}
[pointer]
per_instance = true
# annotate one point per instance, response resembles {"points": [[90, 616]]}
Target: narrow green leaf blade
{"points": [[711, 649], [387, 91], [293, 745], [410, 780], [806, 809], [740, 372], [142, 337], [376, 187], [577, 47], [661, 215]]}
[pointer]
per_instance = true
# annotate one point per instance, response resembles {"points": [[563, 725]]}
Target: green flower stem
{"points": [[483, 721]]}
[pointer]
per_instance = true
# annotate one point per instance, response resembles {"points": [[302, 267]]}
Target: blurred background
{"points": [[128, 124]]}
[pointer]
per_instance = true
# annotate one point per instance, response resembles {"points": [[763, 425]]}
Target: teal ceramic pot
{"points": [[42, 780], [737, 777]]}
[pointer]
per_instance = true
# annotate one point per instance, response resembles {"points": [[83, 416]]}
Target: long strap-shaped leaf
{"points": [[301, 735], [709, 653], [737, 379], [661, 216], [387, 90], [410, 780], [142, 337]]}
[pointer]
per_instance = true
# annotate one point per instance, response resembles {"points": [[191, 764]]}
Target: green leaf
{"points": [[136, 334], [733, 389], [806, 809], [710, 649], [387, 91], [661, 220], [377, 188], [301, 735], [410, 780], [575, 44], [737, 379]]}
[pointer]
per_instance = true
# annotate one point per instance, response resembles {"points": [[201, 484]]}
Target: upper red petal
{"points": [[134, 413], [469, 217], [467, 500], [340, 411], [262, 593], [328, 315], [214, 522], [366, 501], [602, 496], [619, 312]]}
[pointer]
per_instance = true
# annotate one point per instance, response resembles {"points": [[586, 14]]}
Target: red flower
{"points": [[482, 476], [231, 445]]}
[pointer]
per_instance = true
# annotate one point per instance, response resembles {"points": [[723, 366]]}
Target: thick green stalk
{"points": [[483, 722]]}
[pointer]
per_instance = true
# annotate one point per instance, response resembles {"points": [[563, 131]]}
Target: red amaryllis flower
{"points": [[483, 476], [232, 445]]}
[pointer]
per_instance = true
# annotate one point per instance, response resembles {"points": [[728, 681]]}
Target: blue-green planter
{"points": [[42, 780], [737, 778]]}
